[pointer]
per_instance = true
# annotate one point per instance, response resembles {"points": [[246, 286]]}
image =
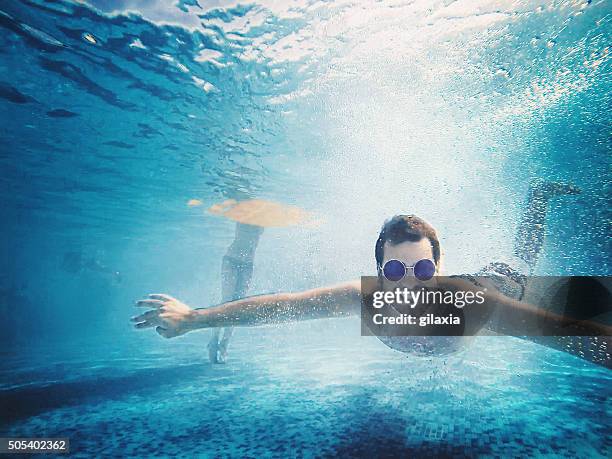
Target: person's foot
{"points": [[548, 189], [222, 352], [214, 350]]}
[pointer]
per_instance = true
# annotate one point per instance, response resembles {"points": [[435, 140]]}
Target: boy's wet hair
{"points": [[402, 228]]}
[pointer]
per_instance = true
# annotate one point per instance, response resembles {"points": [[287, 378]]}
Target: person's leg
{"points": [[531, 229], [510, 279], [528, 245], [236, 273]]}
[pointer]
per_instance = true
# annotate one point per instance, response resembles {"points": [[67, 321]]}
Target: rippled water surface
{"points": [[116, 114]]}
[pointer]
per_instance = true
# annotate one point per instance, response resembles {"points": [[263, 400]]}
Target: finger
{"points": [[165, 332], [144, 325], [150, 316], [161, 296], [149, 303]]}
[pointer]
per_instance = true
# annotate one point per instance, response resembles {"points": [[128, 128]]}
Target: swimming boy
{"points": [[409, 239]]}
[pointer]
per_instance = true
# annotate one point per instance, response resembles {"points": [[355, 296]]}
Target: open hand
{"points": [[169, 316]]}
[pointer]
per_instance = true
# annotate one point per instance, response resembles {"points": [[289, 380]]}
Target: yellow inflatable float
{"points": [[259, 212]]}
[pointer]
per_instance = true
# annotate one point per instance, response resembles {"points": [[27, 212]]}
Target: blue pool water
{"points": [[116, 114]]}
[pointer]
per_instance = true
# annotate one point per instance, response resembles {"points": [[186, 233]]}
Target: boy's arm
{"points": [[173, 318], [587, 339], [517, 318]]}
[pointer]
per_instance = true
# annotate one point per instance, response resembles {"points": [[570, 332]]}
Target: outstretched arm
{"points": [[517, 318], [586, 339], [173, 318]]}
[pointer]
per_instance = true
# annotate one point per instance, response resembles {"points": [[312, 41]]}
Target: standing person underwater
{"points": [[411, 241], [251, 217], [236, 273]]}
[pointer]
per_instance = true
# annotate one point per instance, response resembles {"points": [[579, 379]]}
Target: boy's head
{"points": [[409, 239]]}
